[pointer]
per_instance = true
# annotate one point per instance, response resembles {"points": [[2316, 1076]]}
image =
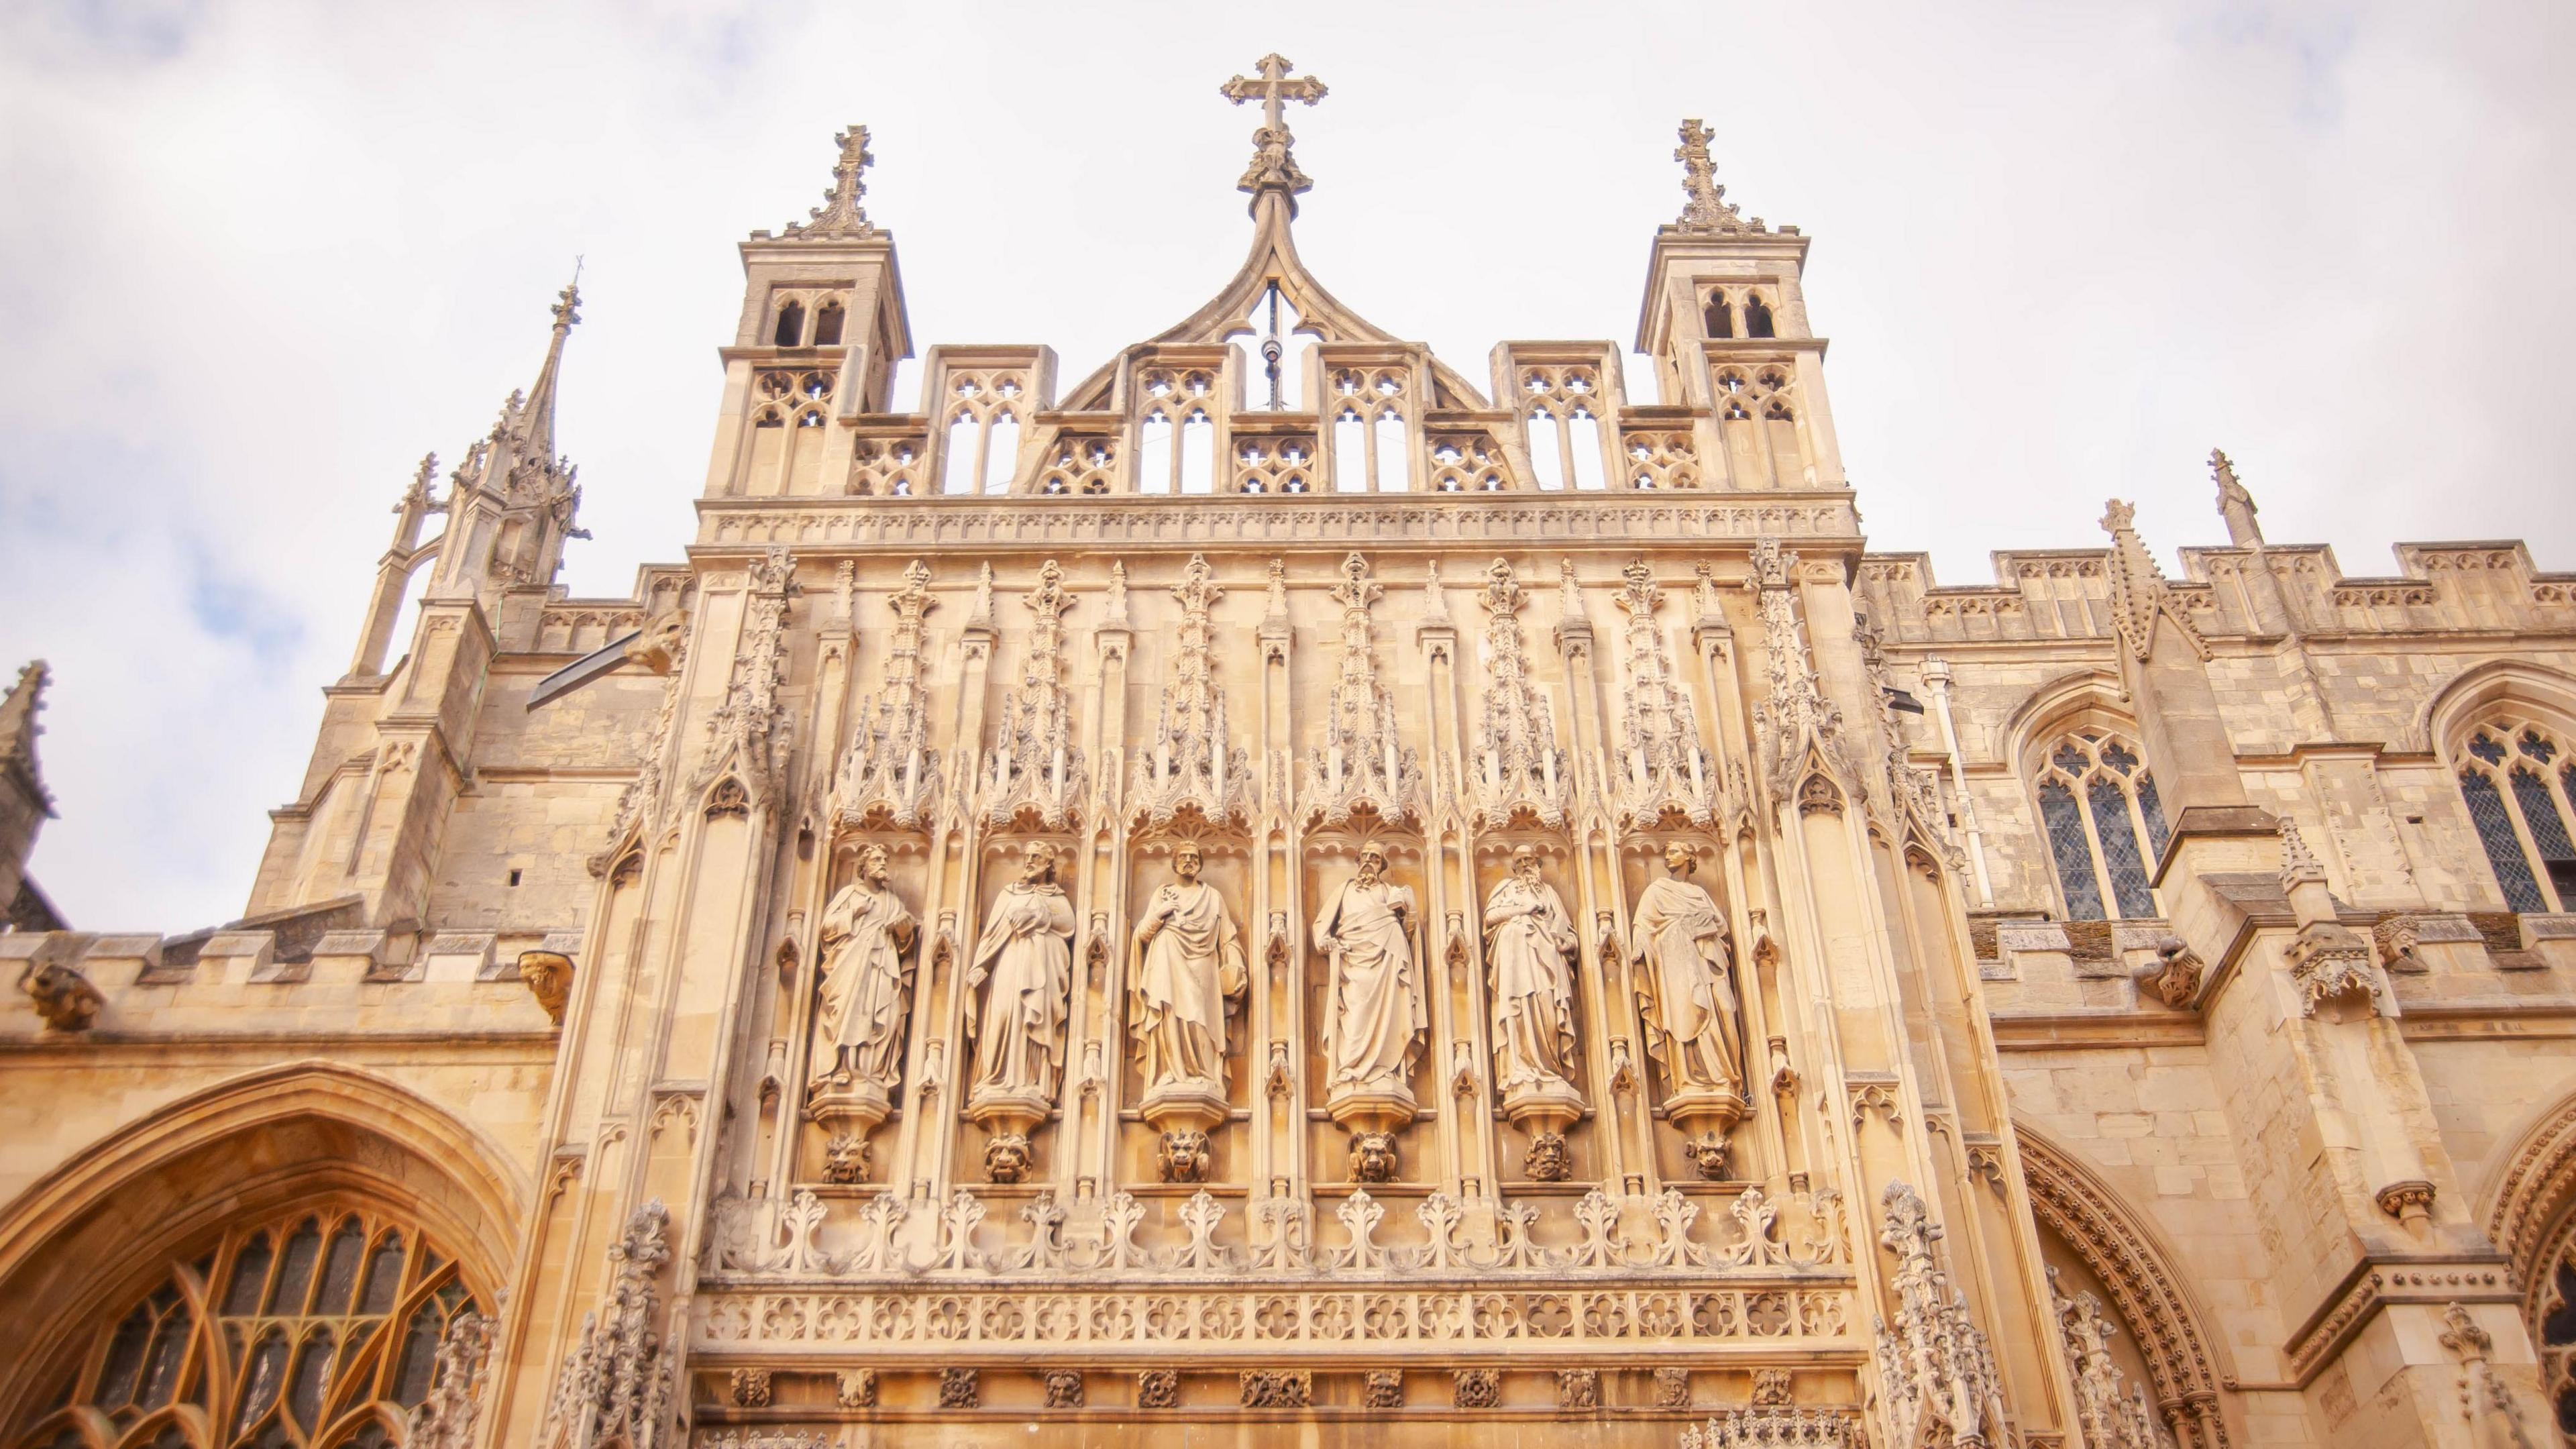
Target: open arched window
{"points": [[1721, 318], [1757, 315], [2518, 781], [2104, 823], [791, 324], [319, 1326], [827, 323]]}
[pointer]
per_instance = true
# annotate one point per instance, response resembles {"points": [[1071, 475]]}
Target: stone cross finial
{"points": [[840, 217], [1707, 210], [2235, 504], [1272, 165]]}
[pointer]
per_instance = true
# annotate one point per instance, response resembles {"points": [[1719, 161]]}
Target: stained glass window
{"points": [[2098, 803], [2120, 848], [2074, 854], [2504, 852], [2520, 811], [326, 1327], [2152, 806]]}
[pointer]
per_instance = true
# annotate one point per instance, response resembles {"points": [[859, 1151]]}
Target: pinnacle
{"points": [[18, 728]]}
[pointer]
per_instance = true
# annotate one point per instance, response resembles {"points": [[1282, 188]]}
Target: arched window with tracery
{"points": [[2518, 780], [2104, 823], [982, 440], [317, 1327], [1564, 426]]}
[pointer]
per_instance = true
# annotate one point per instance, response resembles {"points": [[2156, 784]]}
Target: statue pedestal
{"points": [[1185, 1112], [1544, 1109], [1007, 1118], [847, 1108], [1372, 1116], [1705, 1115]]}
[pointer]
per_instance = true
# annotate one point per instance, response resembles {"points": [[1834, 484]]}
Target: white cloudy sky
{"points": [[256, 258]]}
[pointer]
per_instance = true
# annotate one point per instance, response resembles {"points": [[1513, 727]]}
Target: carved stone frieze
{"points": [[974, 527], [1777, 1428], [1046, 1320]]}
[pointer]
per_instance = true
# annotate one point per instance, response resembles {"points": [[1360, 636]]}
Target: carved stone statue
{"points": [[1529, 948], [858, 1026], [1023, 963], [1686, 985], [1529, 945], [1374, 1019], [1189, 966]]}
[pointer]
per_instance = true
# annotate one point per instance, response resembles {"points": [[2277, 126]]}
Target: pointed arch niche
{"points": [[243, 1210], [2097, 1245]]}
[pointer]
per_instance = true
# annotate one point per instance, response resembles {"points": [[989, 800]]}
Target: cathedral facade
{"points": [[1281, 891]]}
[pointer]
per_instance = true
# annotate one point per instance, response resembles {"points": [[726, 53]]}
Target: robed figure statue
{"points": [[1024, 963], [1530, 946], [1686, 983], [1375, 1022], [858, 1026], [1190, 964]]}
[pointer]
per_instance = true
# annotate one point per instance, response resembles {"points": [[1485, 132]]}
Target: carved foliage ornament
{"points": [[615, 1385], [2113, 1410], [841, 217], [1705, 211], [1936, 1369]]}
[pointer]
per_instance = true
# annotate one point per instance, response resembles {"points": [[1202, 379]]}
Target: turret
{"points": [[822, 328], [1725, 318]]}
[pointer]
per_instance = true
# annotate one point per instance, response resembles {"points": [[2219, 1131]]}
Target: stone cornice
{"points": [[2379, 1280], [2089, 1030]]}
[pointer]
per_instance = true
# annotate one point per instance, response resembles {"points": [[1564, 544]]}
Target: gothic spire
{"points": [[2139, 595], [18, 731], [2235, 504], [537, 415]]}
